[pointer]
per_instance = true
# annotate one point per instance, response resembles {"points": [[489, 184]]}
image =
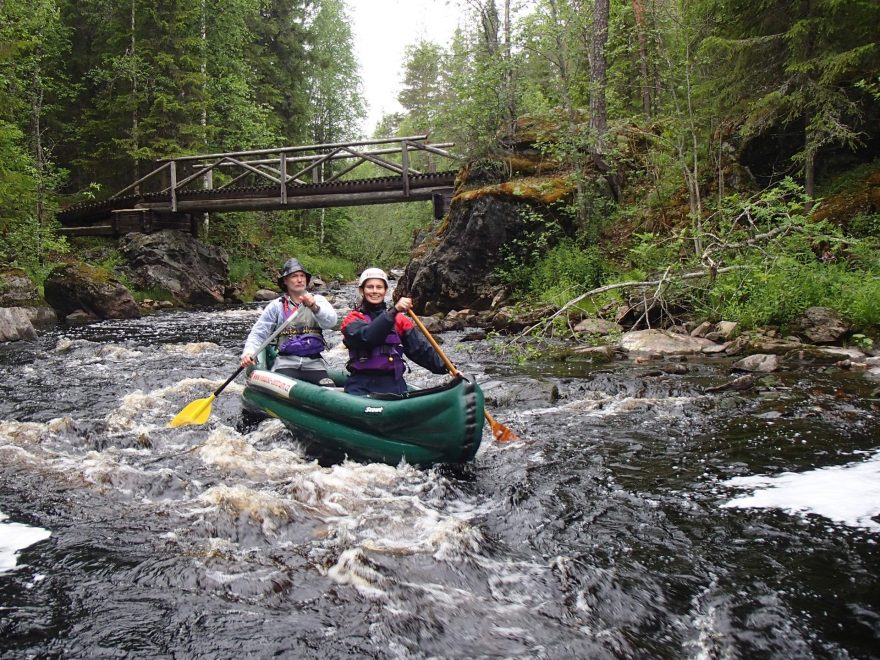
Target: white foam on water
{"points": [[848, 494], [191, 348], [15, 537], [600, 405]]}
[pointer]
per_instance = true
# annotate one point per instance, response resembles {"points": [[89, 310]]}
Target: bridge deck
{"points": [[384, 190]]}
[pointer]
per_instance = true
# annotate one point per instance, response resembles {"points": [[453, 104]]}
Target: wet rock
{"points": [[740, 384], [432, 324], [78, 286], [459, 319], [761, 344], [853, 365], [821, 325], [761, 362], [149, 303], [873, 374], [702, 330], [603, 353], [476, 335], [721, 331], [22, 310], [191, 271], [512, 319], [15, 324], [726, 330], [81, 316], [662, 342], [823, 355], [263, 295], [526, 393], [599, 327]]}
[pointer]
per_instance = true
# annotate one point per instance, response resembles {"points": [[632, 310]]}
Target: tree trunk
{"points": [[641, 34], [809, 169], [135, 135], [598, 87], [599, 73], [509, 96]]}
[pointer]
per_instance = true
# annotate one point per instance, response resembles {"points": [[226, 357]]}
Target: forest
{"points": [[732, 137]]}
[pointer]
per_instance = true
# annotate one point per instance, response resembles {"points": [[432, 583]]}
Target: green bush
{"points": [[865, 225], [780, 293], [567, 271]]}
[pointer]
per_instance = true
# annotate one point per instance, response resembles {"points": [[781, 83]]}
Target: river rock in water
{"points": [[22, 310], [78, 286], [663, 342], [191, 271]]}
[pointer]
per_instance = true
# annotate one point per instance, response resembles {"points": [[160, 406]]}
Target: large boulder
{"points": [[15, 324], [192, 272], [78, 286], [821, 325], [454, 267], [22, 310], [17, 289], [663, 342]]}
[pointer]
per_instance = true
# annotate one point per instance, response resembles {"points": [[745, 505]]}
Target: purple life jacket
{"points": [[300, 340], [386, 358]]}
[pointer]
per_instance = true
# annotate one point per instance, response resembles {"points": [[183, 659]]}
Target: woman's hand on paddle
{"points": [[246, 361], [403, 305]]}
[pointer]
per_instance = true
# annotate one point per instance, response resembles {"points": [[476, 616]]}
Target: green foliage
{"points": [[862, 342], [148, 294], [796, 65], [566, 271], [775, 248], [865, 225], [781, 292], [249, 271], [520, 256], [383, 235]]}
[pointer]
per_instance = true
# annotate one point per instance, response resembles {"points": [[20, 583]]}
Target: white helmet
{"points": [[373, 274]]}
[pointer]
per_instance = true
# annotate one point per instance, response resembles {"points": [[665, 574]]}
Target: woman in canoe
{"points": [[378, 336], [301, 343]]}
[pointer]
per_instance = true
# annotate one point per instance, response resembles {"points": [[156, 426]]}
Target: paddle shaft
{"points": [[261, 347], [434, 343]]}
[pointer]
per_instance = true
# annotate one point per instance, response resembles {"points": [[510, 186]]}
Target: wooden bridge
{"points": [[181, 190]]}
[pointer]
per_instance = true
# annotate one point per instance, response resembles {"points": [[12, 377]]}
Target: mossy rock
{"points": [[17, 289]]}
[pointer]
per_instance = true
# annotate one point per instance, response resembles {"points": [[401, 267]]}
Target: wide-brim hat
{"points": [[292, 266]]}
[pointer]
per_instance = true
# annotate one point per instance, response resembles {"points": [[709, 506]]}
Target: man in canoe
{"points": [[300, 344], [378, 337]]}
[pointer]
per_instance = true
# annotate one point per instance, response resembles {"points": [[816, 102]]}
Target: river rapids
{"points": [[638, 517]]}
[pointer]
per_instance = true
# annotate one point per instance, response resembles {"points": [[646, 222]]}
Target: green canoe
{"points": [[438, 425]]}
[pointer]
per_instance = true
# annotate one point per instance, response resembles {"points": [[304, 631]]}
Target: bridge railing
{"points": [[286, 166]]}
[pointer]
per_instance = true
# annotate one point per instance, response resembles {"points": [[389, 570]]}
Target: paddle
{"points": [[499, 431], [199, 410]]}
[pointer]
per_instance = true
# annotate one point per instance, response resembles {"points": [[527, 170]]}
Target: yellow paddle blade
{"points": [[196, 412]]}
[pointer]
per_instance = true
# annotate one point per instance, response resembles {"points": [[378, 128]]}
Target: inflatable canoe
{"points": [[438, 425]]}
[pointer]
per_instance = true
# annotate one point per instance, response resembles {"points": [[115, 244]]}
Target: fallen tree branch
{"points": [[622, 285]]}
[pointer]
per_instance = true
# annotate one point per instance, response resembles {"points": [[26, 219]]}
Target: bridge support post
{"points": [[173, 171], [404, 162], [207, 184], [282, 168]]}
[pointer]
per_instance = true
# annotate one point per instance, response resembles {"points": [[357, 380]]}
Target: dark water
{"points": [[604, 533]]}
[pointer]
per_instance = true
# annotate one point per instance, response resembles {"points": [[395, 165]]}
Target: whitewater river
{"points": [[640, 517]]}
